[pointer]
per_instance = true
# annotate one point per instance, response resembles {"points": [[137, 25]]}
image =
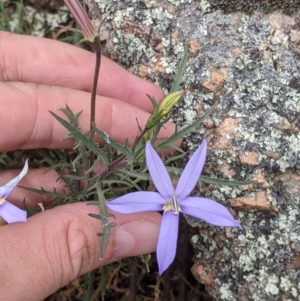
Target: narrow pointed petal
{"points": [[167, 240], [209, 211], [8, 187], [11, 213], [82, 18], [191, 172], [139, 201], [158, 172]]}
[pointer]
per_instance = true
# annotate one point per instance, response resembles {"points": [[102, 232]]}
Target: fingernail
{"points": [[135, 238]]}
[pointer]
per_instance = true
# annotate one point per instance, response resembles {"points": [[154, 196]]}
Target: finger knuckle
{"points": [[81, 247]]}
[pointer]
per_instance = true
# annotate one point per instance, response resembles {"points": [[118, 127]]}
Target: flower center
{"points": [[173, 205], [2, 200]]}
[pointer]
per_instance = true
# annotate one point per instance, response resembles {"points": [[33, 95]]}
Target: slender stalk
{"points": [[97, 50]]}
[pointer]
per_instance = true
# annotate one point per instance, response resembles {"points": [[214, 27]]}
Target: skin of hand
{"points": [[56, 246]]}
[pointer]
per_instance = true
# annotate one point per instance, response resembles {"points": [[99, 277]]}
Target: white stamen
{"points": [[174, 204]]}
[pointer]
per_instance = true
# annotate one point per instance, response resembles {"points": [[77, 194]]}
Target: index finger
{"points": [[49, 62]]}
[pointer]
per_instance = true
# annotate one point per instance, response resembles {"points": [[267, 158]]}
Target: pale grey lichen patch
{"points": [[263, 93], [37, 22], [177, 2], [225, 292], [262, 87], [249, 7]]}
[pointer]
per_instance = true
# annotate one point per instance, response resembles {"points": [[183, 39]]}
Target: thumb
{"points": [[54, 247]]}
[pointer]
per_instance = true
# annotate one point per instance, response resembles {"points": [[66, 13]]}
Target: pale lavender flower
{"points": [[80, 15], [9, 212], [172, 201]]}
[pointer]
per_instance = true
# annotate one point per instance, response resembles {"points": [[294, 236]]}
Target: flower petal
{"points": [[209, 211], [81, 17], [11, 213], [191, 172], [137, 202], [167, 240], [158, 172], [8, 187]]}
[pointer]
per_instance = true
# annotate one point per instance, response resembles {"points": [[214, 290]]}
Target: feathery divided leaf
{"points": [[121, 149], [106, 224], [81, 140]]}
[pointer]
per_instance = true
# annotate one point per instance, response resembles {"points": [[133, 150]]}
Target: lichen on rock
{"points": [[250, 65]]}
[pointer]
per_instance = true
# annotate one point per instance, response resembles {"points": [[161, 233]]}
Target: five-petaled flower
{"points": [[172, 201], [9, 212]]}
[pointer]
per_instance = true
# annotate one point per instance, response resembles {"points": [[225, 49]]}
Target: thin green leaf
{"points": [[153, 101], [88, 286], [174, 158], [133, 174], [210, 180], [185, 131], [177, 85], [215, 181], [52, 194]]}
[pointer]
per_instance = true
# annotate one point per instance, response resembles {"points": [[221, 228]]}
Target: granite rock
{"points": [[250, 66]]}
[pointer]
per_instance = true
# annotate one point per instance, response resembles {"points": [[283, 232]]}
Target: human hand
{"points": [[56, 246]]}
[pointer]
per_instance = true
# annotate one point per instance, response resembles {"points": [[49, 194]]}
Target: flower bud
{"points": [[164, 108]]}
